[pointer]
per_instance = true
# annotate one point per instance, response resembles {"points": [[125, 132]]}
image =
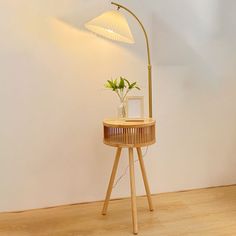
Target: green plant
{"points": [[121, 86]]}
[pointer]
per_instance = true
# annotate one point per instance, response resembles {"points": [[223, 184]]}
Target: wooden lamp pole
{"points": [[148, 55]]}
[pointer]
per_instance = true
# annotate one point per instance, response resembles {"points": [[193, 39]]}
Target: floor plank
{"points": [[203, 212]]}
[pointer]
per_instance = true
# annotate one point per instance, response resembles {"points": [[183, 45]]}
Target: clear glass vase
{"points": [[122, 110]]}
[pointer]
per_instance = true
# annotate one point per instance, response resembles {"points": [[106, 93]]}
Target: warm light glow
{"points": [[112, 25]]}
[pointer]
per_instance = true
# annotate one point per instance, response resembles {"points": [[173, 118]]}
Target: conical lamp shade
{"points": [[112, 25]]}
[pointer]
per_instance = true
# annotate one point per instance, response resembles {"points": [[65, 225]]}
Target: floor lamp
{"points": [[119, 134]]}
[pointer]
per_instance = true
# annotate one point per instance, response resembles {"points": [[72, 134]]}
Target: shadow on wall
{"points": [[180, 36], [78, 18], [195, 33]]}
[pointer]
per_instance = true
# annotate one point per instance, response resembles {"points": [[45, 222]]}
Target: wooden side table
{"points": [[123, 134]]}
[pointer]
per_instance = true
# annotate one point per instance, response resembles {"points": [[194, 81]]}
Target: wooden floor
{"points": [[204, 212]]}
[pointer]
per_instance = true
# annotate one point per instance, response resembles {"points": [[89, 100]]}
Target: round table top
{"points": [[128, 123]]}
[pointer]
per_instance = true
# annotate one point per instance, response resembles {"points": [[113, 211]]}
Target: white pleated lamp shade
{"points": [[112, 25]]}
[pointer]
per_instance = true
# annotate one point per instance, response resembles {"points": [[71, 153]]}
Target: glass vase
{"points": [[122, 110]]}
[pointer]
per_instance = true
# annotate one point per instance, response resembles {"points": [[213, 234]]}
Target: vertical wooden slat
{"points": [[123, 136], [139, 135]]}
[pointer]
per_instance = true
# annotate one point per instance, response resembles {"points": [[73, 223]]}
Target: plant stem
{"points": [[118, 94], [126, 93]]}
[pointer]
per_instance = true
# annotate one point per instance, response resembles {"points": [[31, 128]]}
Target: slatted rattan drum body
{"points": [[118, 133]]}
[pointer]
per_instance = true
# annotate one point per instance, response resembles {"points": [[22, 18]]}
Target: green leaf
{"points": [[107, 85], [127, 82], [122, 83], [112, 84], [132, 85]]}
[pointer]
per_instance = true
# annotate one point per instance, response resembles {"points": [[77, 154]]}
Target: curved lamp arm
{"points": [[148, 55]]}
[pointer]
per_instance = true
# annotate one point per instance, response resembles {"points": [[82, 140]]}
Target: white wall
{"points": [[52, 100]]}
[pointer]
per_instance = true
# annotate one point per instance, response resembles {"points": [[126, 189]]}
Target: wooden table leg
{"points": [[111, 182], [139, 151], [133, 192]]}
